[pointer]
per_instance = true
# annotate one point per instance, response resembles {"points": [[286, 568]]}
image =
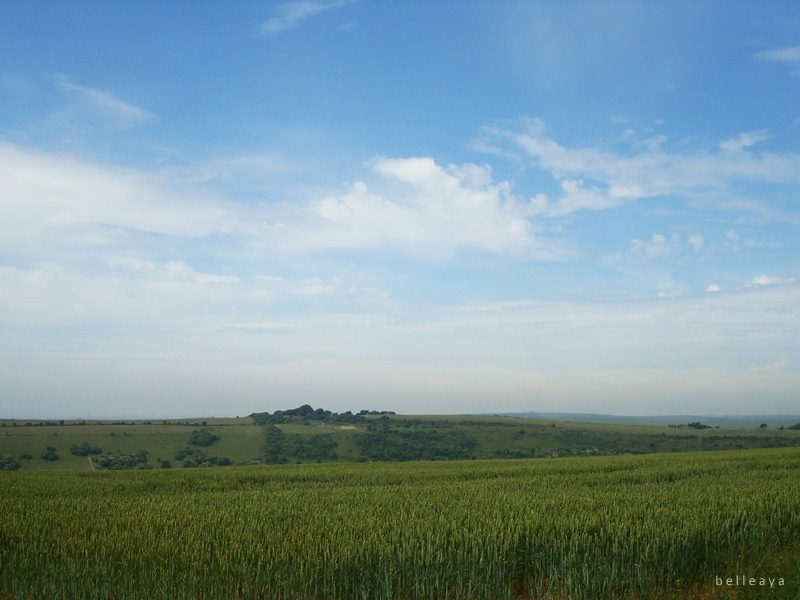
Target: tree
{"points": [[699, 425], [85, 449], [120, 461], [202, 437], [50, 454], [8, 463]]}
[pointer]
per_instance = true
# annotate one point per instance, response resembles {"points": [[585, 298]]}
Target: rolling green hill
{"points": [[305, 435]]}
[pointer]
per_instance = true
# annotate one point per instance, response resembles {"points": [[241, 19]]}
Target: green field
{"points": [[240, 440], [655, 526], [328, 437]]}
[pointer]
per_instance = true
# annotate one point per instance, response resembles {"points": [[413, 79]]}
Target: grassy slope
{"points": [[495, 437], [240, 441]]}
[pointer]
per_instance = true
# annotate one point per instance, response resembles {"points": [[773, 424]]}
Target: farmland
{"points": [[306, 435], [664, 525]]}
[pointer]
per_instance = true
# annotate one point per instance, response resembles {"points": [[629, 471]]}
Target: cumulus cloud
{"points": [[290, 14], [421, 206]]}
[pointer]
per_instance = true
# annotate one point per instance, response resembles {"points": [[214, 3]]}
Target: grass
{"points": [[240, 442]]}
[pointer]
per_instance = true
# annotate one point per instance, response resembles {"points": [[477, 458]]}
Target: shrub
{"points": [[85, 449], [8, 463], [202, 437], [50, 454], [120, 462]]}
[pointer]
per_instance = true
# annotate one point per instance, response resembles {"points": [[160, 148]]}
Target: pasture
{"points": [[355, 438]]}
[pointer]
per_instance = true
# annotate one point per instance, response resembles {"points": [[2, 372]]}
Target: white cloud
{"points": [[422, 208], [770, 280], [137, 294], [51, 202], [660, 246], [164, 296], [713, 288], [314, 286], [172, 325], [743, 140], [121, 114], [788, 55], [54, 203], [779, 365], [290, 14], [696, 241], [594, 178]]}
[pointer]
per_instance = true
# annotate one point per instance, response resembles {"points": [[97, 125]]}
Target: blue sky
{"points": [[429, 207]]}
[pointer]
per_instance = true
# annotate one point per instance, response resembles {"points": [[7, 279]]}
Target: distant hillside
{"points": [[305, 434], [724, 421]]}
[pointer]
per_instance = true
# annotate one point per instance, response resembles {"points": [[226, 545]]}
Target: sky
{"points": [[213, 209]]}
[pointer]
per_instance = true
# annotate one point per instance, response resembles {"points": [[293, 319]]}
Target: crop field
{"points": [[644, 527]]}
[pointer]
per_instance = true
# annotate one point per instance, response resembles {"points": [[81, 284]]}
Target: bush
{"points": [[85, 449], [50, 454], [121, 462], [8, 463], [196, 458], [699, 425], [202, 437]]}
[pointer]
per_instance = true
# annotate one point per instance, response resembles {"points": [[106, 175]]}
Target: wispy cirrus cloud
{"points": [[120, 114], [290, 14], [744, 140], [595, 178], [787, 55], [55, 204], [771, 280]]}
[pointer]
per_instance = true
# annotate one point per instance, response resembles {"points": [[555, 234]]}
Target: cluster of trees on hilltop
{"points": [[308, 413]]}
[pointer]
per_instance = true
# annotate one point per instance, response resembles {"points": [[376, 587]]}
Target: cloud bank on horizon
{"points": [[344, 204]]}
